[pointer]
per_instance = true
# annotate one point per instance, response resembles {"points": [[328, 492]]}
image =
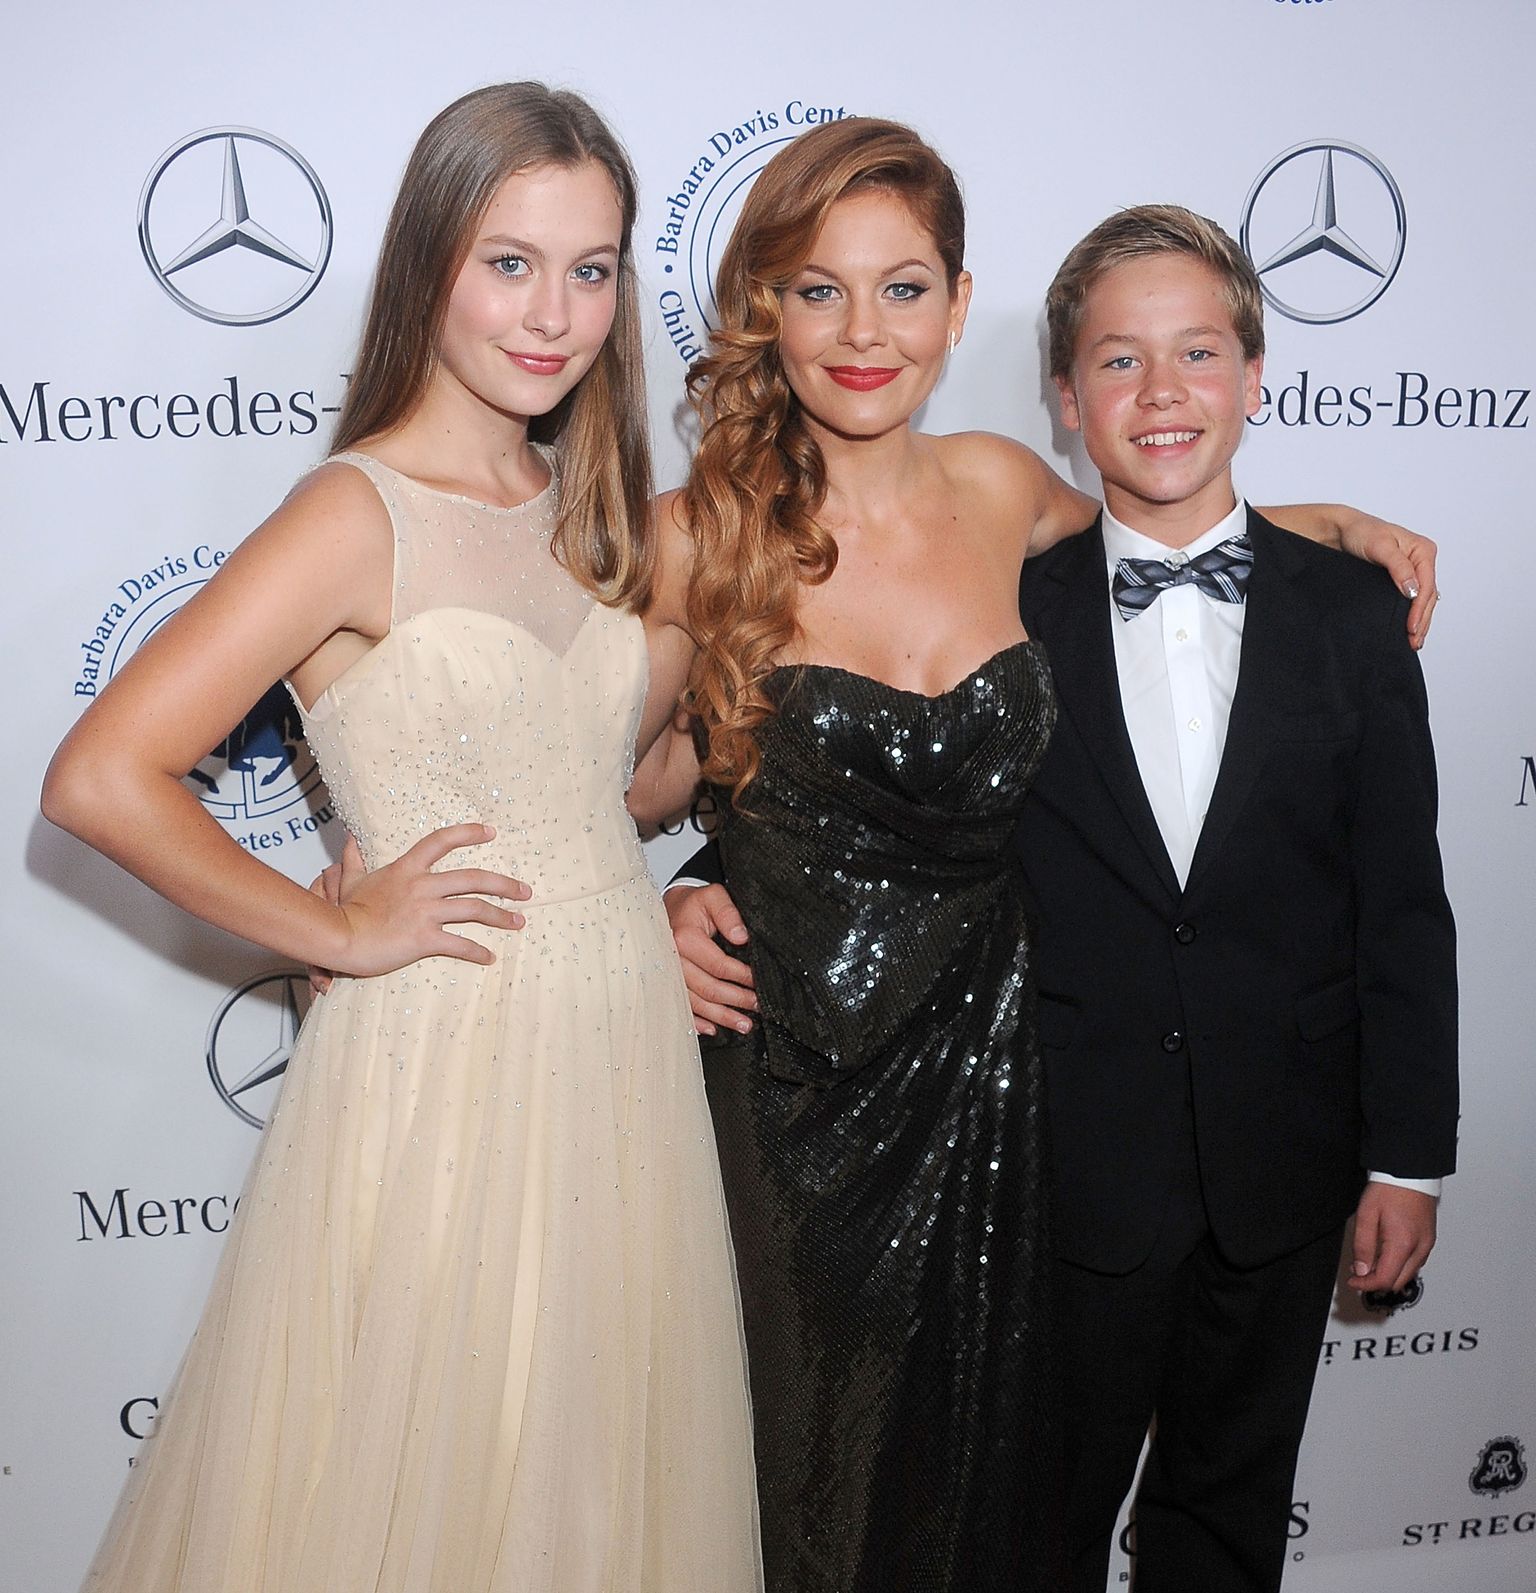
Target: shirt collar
{"points": [[1121, 542]]}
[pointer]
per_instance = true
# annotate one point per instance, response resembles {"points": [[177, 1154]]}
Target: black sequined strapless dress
{"points": [[881, 1138]]}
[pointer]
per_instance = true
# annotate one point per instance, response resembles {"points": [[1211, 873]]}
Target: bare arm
{"points": [[666, 770], [306, 591], [667, 778], [1060, 509]]}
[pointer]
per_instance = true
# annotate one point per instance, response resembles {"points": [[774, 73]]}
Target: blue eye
{"points": [[594, 273], [1121, 362], [818, 293], [906, 292], [511, 265], [1200, 355]]}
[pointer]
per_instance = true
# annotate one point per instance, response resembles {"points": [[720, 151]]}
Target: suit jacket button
{"points": [[1173, 1041], [1183, 933]]}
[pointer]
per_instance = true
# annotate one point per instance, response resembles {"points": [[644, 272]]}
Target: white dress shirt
{"points": [[1178, 661]]}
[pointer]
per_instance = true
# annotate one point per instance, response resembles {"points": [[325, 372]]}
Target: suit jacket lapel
{"points": [[1269, 647], [1071, 616]]}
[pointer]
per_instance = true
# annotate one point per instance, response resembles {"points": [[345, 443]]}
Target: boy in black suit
{"points": [[1246, 961], [1245, 958]]}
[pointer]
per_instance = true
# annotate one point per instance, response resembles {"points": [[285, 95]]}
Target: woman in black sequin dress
{"points": [[881, 1128], [880, 1136]]}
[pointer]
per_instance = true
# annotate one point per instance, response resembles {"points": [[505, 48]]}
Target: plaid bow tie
{"points": [[1222, 574]]}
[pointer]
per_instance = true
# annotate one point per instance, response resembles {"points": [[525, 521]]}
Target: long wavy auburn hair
{"points": [[759, 480], [600, 431]]}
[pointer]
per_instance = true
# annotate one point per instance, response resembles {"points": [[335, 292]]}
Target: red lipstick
{"points": [[862, 378]]}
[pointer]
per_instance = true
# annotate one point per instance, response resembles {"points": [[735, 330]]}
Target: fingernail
{"points": [[490, 831], [518, 920], [744, 1027], [1411, 587], [738, 935], [1361, 1268]]}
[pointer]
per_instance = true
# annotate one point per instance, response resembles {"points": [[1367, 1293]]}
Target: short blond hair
{"points": [[1134, 234]]}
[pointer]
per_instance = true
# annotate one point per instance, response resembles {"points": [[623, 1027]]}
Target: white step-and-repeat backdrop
{"points": [[161, 385]]}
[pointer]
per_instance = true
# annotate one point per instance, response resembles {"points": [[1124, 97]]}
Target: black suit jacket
{"points": [[1301, 989]]}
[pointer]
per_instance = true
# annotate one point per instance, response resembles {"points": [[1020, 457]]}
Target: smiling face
{"points": [[868, 319], [1160, 390], [535, 298]]}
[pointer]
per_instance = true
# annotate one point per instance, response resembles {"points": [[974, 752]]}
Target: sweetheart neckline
{"points": [[361, 665], [904, 691]]}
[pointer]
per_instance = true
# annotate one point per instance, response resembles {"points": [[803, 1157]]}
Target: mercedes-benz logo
{"points": [[251, 1038], [227, 266], [1316, 273]]}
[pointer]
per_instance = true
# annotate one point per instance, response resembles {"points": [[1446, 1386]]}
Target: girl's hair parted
{"points": [[600, 430]]}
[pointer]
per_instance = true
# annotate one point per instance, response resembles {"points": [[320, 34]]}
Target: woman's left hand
{"points": [[1407, 557]]}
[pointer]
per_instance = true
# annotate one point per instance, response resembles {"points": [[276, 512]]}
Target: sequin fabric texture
{"points": [[881, 1138], [475, 1329]]}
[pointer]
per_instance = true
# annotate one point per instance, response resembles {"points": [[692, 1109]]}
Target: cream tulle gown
{"points": [[475, 1329]]}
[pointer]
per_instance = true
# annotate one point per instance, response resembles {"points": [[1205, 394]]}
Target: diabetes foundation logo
{"points": [[250, 1040], [261, 778], [218, 254], [702, 207]]}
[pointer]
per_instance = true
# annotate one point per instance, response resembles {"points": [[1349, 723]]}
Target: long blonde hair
{"points": [[758, 480], [600, 430]]}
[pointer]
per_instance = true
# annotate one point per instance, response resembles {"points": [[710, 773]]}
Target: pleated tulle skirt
{"points": [[475, 1329]]}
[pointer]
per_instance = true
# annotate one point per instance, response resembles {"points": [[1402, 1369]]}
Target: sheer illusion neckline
{"points": [[460, 497], [1027, 642]]}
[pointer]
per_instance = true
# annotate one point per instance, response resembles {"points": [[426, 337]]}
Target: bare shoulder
{"points": [[329, 545], [335, 501], [1001, 486], [993, 466], [672, 515]]}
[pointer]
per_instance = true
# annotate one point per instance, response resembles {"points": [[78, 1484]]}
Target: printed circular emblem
{"points": [[1500, 1467], [264, 764], [1339, 262], [715, 215], [250, 1040], [1386, 1302], [235, 225]]}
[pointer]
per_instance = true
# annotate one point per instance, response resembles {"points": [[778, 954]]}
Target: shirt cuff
{"points": [[695, 884], [1425, 1186]]}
